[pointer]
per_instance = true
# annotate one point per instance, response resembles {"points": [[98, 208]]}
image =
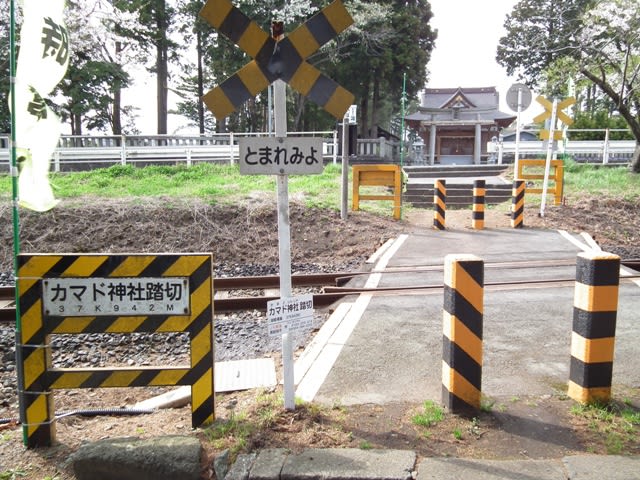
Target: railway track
{"points": [[332, 286]]}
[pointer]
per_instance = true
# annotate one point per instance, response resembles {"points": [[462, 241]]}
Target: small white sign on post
{"points": [[280, 155], [290, 315]]}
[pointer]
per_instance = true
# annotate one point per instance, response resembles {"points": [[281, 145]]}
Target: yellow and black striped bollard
{"points": [[517, 204], [462, 333], [477, 215], [439, 203], [594, 326]]}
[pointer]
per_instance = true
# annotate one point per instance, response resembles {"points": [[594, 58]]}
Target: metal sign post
{"points": [[519, 111], [553, 111], [278, 59], [284, 244], [547, 165], [518, 99], [344, 205]]}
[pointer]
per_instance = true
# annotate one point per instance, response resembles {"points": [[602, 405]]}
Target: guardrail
{"points": [[87, 152], [76, 153], [611, 151]]}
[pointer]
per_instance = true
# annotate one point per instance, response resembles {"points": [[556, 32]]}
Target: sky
{"points": [[464, 56], [465, 51]]}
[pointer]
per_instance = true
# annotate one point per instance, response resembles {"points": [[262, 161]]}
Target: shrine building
{"points": [[456, 123]]}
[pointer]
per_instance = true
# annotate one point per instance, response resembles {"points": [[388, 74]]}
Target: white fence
{"points": [[601, 151], [87, 152]]}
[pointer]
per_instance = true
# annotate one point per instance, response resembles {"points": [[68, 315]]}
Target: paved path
{"points": [[388, 348], [356, 464]]}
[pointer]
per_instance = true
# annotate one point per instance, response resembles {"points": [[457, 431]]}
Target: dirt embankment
{"points": [[247, 233]]}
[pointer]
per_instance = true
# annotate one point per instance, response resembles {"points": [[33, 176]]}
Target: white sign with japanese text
{"points": [[290, 315], [79, 297], [280, 155]]}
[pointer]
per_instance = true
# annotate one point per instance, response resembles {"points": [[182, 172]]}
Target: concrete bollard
{"points": [[477, 214], [439, 204], [594, 326], [517, 204], [462, 333]]}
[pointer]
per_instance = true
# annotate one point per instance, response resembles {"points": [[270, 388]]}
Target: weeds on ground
{"points": [[486, 404], [431, 414], [266, 422], [12, 474], [617, 424]]}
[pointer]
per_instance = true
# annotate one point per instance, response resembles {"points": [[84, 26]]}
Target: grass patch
{"points": [[431, 414], [224, 184], [615, 423], [212, 183], [588, 179], [598, 180], [12, 474], [264, 421], [486, 404]]}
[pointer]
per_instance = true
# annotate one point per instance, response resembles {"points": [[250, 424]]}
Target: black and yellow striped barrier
{"points": [[517, 204], [594, 326], [477, 214], [439, 204], [462, 333], [389, 176], [277, 58], [74, 294], [555, 183]]}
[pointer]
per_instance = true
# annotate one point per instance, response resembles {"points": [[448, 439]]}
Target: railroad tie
{"points": [[594, 326], [462, 333], [517, 204], [477, 214], [439, 204]]}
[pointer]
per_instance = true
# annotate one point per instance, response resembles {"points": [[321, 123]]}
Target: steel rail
{"points": [[273, 281], [330, 294]]}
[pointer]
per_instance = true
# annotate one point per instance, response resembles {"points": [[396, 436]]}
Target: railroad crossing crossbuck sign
{"points": [[562, 116], [277, 58]]}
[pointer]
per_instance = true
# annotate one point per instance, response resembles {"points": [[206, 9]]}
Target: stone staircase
{"points": [[459, 184]]}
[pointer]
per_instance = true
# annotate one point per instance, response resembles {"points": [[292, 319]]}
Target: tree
{"points": [[599, 41], [153, 34], [389, 39], [96, 74], [5, 116]]}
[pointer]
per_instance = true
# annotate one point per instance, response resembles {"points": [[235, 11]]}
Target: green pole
{"points": [[404, 90], [16, 218]]}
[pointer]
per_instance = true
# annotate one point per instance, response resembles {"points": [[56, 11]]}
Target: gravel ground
{"points": [[321, 242], [238, 335]]}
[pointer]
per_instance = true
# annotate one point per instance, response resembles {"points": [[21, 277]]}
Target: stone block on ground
{"points": [[437, 468], [130, 458], [349, 463], [241, 467], [597, 467]]}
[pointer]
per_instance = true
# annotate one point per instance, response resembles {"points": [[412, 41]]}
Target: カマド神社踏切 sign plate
{"points": [[78, 297], [280, 155], [290, 315]]}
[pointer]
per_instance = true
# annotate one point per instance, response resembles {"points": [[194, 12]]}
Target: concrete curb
{"points": [[325, 463], [356, 464]]}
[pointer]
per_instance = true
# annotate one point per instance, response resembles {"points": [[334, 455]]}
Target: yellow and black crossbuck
{"points": [[277, 58]]}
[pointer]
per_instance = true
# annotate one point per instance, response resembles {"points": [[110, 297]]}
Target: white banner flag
{"points": [[42, 62]]}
